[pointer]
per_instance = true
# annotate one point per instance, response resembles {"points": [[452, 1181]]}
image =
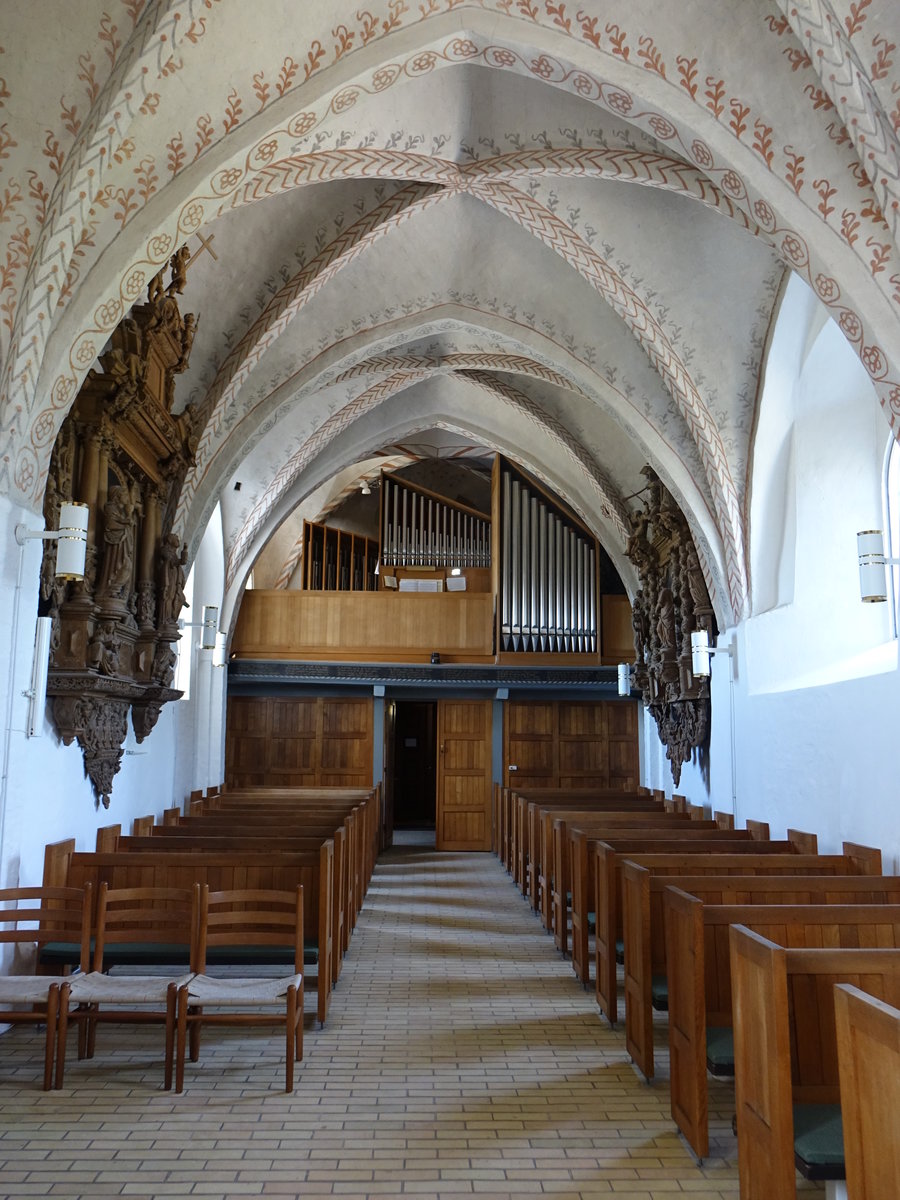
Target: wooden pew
{"points": [[699, 979], [868, 1042], [644, 933], [539, 817], [596, 825], [186, 840], [222, 872], [746, 857], [688, 837], [785, 1052], [564, 798]]}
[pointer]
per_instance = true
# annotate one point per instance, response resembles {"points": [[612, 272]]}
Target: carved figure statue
{"points": [[665, 622], [178, 263], [187, 341], [103, 651], [172, 557], [118, 538]]}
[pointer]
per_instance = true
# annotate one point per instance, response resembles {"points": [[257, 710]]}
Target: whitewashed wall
{"points": [[44, 796], [816, 692]]}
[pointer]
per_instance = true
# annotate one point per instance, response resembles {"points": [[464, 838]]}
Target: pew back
{"points": [[785, 1044]]}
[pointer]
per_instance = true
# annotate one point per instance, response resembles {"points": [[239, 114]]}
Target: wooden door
{"points": [[464, 775]]}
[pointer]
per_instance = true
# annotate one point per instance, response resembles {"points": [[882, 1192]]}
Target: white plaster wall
{"points": [[816, 691], [44, 796], [199, 719]]}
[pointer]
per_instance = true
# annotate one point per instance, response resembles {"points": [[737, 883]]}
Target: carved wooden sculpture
{"points": [[672, 602], [122, 451]]}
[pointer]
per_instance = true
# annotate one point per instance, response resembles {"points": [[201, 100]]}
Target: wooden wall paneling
{"points": [[529, 732], [366, 626], [583, 743], [616, 633], [278, 741]]}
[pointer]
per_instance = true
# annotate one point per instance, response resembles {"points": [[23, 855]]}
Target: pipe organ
{"points": [[548, 574], [419, 529]]}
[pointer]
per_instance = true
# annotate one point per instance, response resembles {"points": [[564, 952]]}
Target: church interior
{"points": [[440, 400]]}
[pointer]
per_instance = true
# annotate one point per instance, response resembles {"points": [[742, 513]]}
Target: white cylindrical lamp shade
{"points": [[872, 574], [700, 653], [624, 679], [210, 627], [71, 545]]}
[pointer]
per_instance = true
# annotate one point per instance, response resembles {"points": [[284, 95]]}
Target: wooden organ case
{"points": [[122, 451]]}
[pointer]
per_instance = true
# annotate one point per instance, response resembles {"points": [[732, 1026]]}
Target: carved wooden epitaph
{"points": [[122, 451], [671, 604]]}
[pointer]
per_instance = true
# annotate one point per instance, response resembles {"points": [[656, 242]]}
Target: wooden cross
{"points": [[205, 244]]}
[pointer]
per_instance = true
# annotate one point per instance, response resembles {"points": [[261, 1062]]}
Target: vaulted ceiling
{"points": [[556, 230]]}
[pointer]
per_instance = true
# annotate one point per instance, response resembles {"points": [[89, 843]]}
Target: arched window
{"points": [[892, 523]]}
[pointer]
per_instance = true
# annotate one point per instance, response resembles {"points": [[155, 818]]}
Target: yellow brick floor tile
{"points": [[461, 1057]]}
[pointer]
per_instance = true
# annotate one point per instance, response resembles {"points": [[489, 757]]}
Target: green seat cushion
{"points": [[61, 954], [819, 1141], [720, 1050], [244, 956], [592, 922], [144, 954], [659, 993], [620, 950]]}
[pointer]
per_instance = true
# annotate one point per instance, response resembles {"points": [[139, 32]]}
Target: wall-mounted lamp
{"points": [[72, 538], [209, 625], [872, 566], [624, 679], [701, 651], [364, 488]]}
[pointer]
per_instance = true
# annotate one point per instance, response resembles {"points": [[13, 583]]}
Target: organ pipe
{"points": [[547, 601], [421, 530]]}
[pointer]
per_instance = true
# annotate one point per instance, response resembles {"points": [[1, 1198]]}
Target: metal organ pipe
{"points": [[548, 597]]}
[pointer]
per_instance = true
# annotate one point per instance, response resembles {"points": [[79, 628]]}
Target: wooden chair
{"points": [[868, 1043], [130, 919], [243, 927], [29, 916]]}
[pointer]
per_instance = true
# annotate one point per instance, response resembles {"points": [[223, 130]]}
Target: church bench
{"points": [[596, 825], [700, 986], [868, 1042], [645, 937], [564, 798], [537, 822], [362, 827], [225, 871], [753, 858], [785, 1055], [689, 837], [188, 840]]}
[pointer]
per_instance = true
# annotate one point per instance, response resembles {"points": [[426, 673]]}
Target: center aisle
{"points": [[463, 1056]]}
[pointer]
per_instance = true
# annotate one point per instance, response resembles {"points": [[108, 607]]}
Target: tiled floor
{"points": [[460, 1056]]}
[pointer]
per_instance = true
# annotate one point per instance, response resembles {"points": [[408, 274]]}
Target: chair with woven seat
{"points": [[149, 927], [30, 917], [249, 929]]}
